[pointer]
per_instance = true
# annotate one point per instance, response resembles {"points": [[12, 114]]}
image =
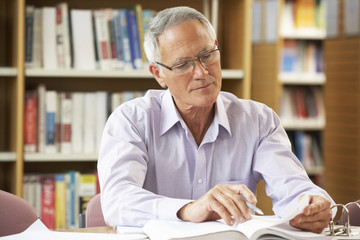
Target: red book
{"points": [[48, 201], [30, 122]]}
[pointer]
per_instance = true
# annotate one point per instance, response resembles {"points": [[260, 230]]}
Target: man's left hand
{"points": [[315, 217]]}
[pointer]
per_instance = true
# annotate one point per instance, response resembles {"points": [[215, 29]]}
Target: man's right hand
{"points": [[222, 201]]}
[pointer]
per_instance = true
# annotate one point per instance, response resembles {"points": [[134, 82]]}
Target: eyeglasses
{"points": [[186, 66]]}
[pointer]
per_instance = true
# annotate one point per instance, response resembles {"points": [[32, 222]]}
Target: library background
{"points": [[64, 66]]}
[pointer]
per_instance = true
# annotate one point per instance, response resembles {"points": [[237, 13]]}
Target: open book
{"points": [[259, 227]]}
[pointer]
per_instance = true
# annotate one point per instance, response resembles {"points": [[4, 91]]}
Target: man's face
{"points": [[199, 87]]}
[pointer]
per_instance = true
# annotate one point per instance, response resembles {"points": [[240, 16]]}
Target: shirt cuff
{"points": [[168, 208]]}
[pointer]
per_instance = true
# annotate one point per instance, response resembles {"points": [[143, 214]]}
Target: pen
{"points": [[254, 208]]}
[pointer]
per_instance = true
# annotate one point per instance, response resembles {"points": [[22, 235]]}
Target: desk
{"points": [[106, 229]]}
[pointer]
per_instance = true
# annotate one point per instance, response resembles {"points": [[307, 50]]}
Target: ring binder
{"points": [[342, 230]]}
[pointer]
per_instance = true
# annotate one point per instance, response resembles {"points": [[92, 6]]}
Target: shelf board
{"points": [[7, 156], [8, 72], [303, 124], [226, 73], [304, 33], [59, 157], [302, 78], [315, 170]]}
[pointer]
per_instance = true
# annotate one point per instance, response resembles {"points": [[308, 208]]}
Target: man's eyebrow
{"points": [[180, 60]]}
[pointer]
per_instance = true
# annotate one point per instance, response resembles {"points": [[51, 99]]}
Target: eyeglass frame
{"points": [[190, 60]]}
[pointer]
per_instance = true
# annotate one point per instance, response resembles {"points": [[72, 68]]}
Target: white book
{"points": [[83, 40], [41, 137], [101, 115], [66, 117], [78, 122], [49, 38], [103, 39], [37, 39], [65, 31], [51, 112], [89, 123]]}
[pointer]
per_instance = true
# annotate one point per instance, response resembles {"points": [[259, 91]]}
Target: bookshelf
{"points": [[341, 137], [281, 75], [233, 36], [283, 65]]}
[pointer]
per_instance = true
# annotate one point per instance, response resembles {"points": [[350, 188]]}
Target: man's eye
{"points": [[183, 65]]}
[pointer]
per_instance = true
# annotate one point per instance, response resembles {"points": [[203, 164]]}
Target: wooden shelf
{"points": [[303, 124], [305, 33], [8, 72], [316, 170], [59, 157], [226, 73], [302, 78], [7, 156]]}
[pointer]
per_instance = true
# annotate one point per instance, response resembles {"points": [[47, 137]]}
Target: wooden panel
{"points": [[342, 95]]}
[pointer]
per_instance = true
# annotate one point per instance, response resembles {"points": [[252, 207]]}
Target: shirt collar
{"points": [[170, 115]]}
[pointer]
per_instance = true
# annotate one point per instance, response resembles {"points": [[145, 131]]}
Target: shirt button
{"points": [[200, 181]]}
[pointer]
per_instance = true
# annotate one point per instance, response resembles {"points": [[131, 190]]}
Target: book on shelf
{"points": [[48, 201], [29, 27], [259, 227], [82, 39], [49, 42], [30, 121], [68, 122], [133, 30], [59, 197], [51, 112], [77, 132], [65, 122], [61, 38], [60, 201], [125, 40], [102, 38]]}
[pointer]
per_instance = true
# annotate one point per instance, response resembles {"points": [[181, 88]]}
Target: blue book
{"points": [[135, 48], [50, 119], [124, 38]]}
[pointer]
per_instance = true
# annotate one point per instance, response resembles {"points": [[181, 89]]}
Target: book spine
{"points": [[117, 38], [66, 117], [49, 38], [134, 39], [60, 202], [30, 124], [59, 38], [29, 37], [89, 124], [125, 40], [139, 20], [103, 39], [51, 112], [41, 90], [66, 35], [48, 201], [37, 39], [77, 123]]}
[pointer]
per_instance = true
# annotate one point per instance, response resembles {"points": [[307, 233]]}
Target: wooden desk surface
{"points": [[106, 229]]}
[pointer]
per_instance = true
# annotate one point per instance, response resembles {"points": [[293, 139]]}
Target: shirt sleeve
{"points": [[284, 175], [122, 167]]}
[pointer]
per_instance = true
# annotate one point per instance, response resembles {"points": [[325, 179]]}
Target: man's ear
{"points": [[155, 71]]}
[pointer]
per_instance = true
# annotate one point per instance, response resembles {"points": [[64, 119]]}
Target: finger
{"points": [[317, 204], [241, 189], [315, 227], [228, 199], [235, 205]]}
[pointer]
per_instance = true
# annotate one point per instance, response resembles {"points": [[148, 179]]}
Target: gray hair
{"points": [[168, 18]]}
